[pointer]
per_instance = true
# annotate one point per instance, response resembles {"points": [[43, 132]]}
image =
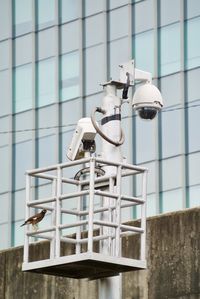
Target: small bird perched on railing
{"points": [[35, 219]]}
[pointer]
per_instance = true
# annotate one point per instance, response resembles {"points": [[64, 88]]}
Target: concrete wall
{"points": [[173, 255]]}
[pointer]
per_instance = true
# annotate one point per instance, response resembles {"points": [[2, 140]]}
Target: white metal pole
{"points": [[58, 210], [26, 237], [110, 288]]}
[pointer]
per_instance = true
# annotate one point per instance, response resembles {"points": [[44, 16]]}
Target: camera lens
{"points": [[147, 112]]}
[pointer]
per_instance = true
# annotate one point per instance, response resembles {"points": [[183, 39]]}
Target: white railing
{"points": [[105, 219]]}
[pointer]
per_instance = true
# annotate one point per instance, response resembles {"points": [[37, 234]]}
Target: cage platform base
{"points": [[84, 265]]}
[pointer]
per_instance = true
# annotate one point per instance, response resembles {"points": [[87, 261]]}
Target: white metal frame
{"points": [[116, 229]]}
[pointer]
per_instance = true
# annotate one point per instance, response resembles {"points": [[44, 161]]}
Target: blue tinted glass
{"points": [[23, 161], [151, 205], [193, 43], [117, 28], [22, 16], [20, 204], [193, 90], [69, 10], [4, 169], [194, 196], [193, 128], [45, 13], [193, 8], [172, 200], [143, 16], [193, 171], [47, 151], [4, 20], [18, 234], [171, 173], [171, 89], [167, 14], [5, 93], [4, 56], [169, 49], [70, 76], [23, 88], [4, 212], [46, 82], [144, 59], [171, 133]]}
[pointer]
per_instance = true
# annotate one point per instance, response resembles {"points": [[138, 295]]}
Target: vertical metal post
{"points": [[53, 221], [58, 210], [78, 218], [26, 237], [91, 206], [143, 217], [110, 288], [118, 212]]}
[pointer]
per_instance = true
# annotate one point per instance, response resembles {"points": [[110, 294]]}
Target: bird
{"points": [[35, 219]]}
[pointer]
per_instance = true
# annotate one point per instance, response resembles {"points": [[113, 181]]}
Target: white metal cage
{"points": [[89, 224]]}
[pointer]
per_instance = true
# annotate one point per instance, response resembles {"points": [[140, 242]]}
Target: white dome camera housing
{"points": [[147, 100]]}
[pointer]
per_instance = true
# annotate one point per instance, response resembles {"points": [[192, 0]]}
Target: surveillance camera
{"points": [[82, 140], [147, 100]]}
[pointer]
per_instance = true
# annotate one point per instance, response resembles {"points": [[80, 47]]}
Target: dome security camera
{"points": [[147, 100]]}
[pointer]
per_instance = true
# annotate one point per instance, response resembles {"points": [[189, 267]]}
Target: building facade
{"points": [[54, 54]]}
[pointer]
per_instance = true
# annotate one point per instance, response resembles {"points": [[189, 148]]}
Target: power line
{"points": [[71, 125]]}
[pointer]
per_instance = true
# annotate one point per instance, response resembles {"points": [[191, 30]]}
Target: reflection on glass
{"points": [[5, 93], [194, 196], [47, 151], [4, 236], [70, 76], [193, 8], [171, 173], [69, 10], [46, 82], [167, 14], [23, 88], [4, 169], [144, 58], [193, 43], [22, 16], [45, 13], [169, 49], [193, 129], [151, 205], [117, 28]]}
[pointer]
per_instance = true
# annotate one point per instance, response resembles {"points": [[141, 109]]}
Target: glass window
{"points": [[23, 88], [22, 16], [143, 16], [151, 182], [193, 8], [70, 76], [171, 173], [144, 59], [172, 200], [169, 11], [92, 26], [45, 13], [93, 7], [19, 205], [117, 28], [194, 196], [171, 133], [47, 118], [46, 82], [4, 55], [170, 55], [193, 43], [67, 116], [4, 169], [69, 10], [4, 233], [145, 140], [4, 127], [118, 56], [94, 60], [47, 151], [193, 128], [4, 203], [117, 3], [151, 205], [193, 90], [23, 49], [194, 175], [4, 20], [22, 162], [171, 89], [67, 31], [46, 43], [18, 234], [23, 121], [5, 93]]}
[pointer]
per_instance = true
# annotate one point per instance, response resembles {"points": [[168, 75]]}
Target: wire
{"points": [[71, 125]]}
